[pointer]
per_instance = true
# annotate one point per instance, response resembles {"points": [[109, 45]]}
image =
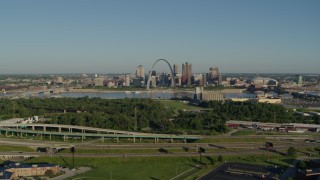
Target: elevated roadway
{"points": [[82, 132]]}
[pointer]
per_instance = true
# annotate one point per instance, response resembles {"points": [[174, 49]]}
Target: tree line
{"points": [[145, 115], [260, 112]]}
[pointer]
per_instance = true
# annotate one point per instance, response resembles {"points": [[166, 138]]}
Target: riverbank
{"points": [[113, 90]]}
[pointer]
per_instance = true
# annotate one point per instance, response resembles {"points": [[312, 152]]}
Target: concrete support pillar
{"points": [[50, 136], [44, 128], [21, 135], [140, 139], [17, 127], [134, 139], [185, 140], [33, 128], [117, 139], [102, 138], [6, 133], [59, 129]]}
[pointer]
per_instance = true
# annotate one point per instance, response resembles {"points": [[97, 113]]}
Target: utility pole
{"points": [[135, 119], [73, 150]]}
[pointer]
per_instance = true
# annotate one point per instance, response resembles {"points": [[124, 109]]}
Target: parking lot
{"points": [[229, 171]]}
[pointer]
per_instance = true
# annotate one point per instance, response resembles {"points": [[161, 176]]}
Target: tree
{"points": [[291, 151], [301, 165], [220, 158], [50, 173]]}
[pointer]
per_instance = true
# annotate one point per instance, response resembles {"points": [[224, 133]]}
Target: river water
{"points": [[148, 94], [129, 94], [122, 95]]}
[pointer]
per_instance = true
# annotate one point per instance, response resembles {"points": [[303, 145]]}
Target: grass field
{"points": [[177, 105], [224, 140], [7, 148], [151, 167], [153, 151], [244, 133], [158, 167], [128, 168]]}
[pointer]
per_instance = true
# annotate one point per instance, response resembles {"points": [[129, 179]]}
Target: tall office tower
{"points": [[186, 73], [153, 81], [154, 73], [214, 73], [127, 80], [140, 72], [204, 79], [220, 76], [189, 73], [175, 69], [300, 80], [179, 79]]}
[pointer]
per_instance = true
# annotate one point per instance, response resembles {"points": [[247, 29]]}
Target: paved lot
{"points": [[71, 173], [239, 171]]}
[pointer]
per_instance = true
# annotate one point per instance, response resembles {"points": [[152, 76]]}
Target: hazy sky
{"points": [[101, 36]]}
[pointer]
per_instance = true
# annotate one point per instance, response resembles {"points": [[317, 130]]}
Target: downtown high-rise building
{"points": [[140, 72], [127, 80], [175, 69], [186, 73], [213, 74]]}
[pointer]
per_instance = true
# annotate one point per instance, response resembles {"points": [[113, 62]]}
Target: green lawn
{"points": [[7, 148], [158, 167], [244, 132], [177, 105], [222, 140], [153, 151], [128, 168]]}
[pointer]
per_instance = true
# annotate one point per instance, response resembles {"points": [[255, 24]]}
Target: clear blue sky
{"points": [[101, 36]]}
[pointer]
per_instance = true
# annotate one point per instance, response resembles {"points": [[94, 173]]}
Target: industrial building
{"points": [[285, 127], [264, 82], [14, 170]]}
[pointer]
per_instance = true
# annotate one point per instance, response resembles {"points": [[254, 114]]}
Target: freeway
{"points": [[224, 147], [60, 127], [278, 142], [93, 132], [252, 151]]}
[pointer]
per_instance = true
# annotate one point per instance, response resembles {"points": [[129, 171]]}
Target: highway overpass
{"points": [[82, 132]]}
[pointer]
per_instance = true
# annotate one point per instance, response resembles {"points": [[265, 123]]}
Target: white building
{"points": [[127, 80], [140, 72]]}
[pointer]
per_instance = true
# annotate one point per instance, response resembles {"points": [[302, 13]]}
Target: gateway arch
{"points": [[149, 77]]}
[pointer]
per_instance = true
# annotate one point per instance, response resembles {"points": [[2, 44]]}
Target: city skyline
{"points": [[115, 36]]}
